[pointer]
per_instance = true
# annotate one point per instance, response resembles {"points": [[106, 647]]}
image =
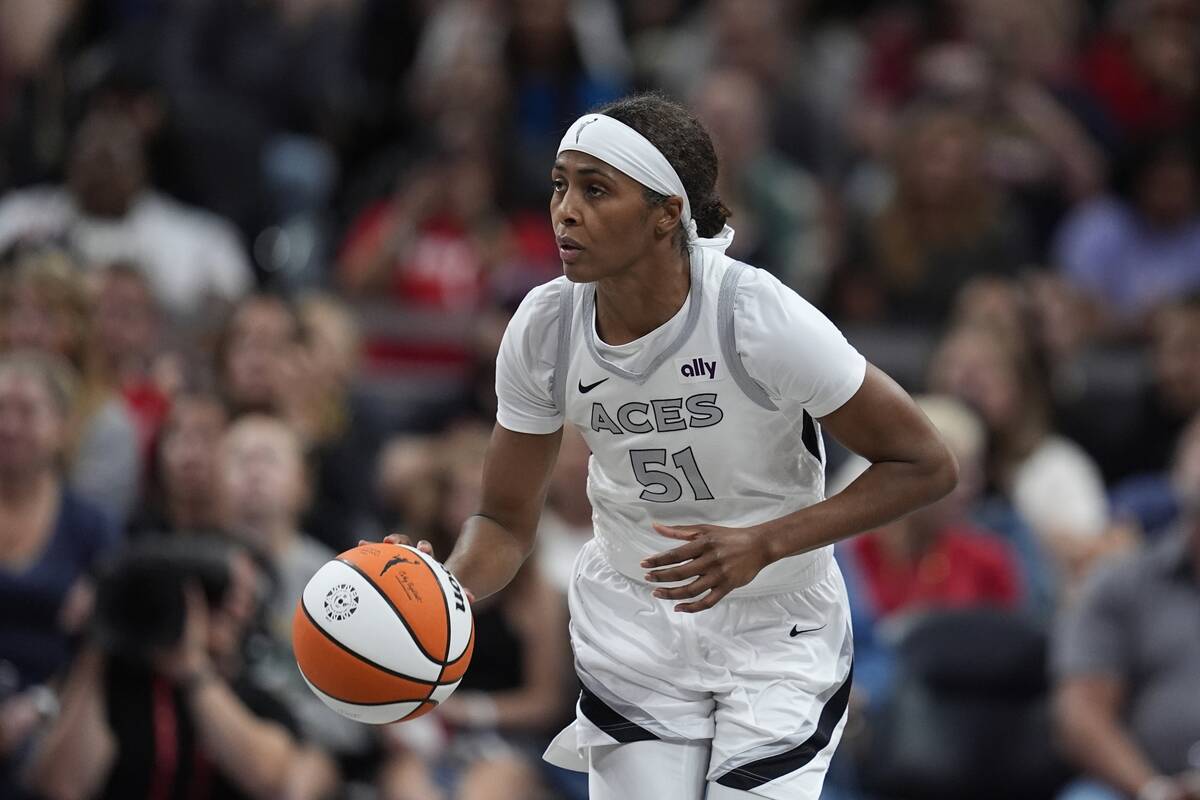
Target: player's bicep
{"points": [[516, 476], [880, 422]]}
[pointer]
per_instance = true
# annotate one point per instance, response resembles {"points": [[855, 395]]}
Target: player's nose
{"points": [[565, 212]]}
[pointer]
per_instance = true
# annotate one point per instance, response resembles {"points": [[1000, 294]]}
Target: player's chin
{"points": [[580, 273]]}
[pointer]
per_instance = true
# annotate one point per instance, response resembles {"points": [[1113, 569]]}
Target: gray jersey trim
{"points": [[725, 308], [689, 325], [562, 360]]}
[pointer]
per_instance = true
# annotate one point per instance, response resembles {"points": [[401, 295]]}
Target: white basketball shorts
{"points": [[765, 678]]}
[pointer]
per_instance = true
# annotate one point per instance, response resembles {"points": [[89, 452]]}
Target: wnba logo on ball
{"points": [[340, 602]]}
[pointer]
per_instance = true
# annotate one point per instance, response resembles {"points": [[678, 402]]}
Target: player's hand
{"points": [[399, 538], [423, 545], [719, 559]]}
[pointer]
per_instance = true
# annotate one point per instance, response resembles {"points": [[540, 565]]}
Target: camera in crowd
{"points": [[141, 607]]}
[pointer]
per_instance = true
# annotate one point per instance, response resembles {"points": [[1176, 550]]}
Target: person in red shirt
{"points": [[937, 557]]}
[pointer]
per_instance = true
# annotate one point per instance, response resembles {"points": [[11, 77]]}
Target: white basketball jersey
{"points": [[690, 439]]}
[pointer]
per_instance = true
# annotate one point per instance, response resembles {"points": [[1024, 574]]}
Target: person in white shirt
{"points": [[708, 619], [108, 212]]}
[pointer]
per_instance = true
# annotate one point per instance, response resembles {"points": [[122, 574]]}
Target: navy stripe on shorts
{"points": [[756, 773]]}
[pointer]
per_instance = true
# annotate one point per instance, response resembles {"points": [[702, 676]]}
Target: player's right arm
{"points": [[495, 541]]}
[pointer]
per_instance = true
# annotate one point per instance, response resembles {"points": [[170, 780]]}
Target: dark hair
{"points": [[683, 140]]}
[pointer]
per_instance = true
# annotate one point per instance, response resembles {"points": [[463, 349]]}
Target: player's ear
{"points": [[669, 214]]}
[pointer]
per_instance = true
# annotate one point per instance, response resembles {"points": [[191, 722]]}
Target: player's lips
{"points": [[568, 248]]}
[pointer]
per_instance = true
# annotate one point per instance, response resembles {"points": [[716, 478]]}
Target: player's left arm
{"points": [[910, 467]]}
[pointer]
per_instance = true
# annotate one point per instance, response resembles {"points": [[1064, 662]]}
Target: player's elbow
{"points": [[941, 471]]}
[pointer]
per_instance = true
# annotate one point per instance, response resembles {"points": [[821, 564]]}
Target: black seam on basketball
{"points": [[360, 703], [449, 622], [364, 659], [412, 634]]}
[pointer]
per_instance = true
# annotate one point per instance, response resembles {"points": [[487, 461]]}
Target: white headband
{"points": [[620, 146]]}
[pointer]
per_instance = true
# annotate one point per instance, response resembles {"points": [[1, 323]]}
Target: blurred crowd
{"points": [[256, 257]]}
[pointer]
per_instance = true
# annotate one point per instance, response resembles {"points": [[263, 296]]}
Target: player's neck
{"points": [[641, 298]]}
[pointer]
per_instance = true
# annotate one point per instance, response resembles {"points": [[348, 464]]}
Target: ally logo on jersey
{"points": [[697, 370]]}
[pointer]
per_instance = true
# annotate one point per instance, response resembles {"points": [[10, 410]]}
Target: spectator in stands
{"points": [[779, 208], [1133, 433], [1135, 250], [768, 40], [429, 251], [431, 243], [44, 306], [408, 486], [263, 491], [345, 438], [562, 58], [459, 90], [51, 540], [945, 224], [1175, 358], [182, 484], [252, 82], [937, 557], [268, 361], [108, 211], [129, 335], [34, 67], [1050, 482], [177, 719], [1127, 661], [1144, 64]]}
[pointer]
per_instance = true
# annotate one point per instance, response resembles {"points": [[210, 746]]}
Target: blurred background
{"points": [[256, 257]]}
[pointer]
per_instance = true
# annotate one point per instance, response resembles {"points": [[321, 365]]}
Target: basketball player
{"points": [[708, 618]]}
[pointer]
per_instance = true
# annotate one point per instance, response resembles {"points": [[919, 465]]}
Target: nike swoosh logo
{"points": [[795, 632], [579, 132], [585, 389]]}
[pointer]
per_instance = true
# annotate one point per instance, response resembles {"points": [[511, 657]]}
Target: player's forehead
{"points": [[574, 162]]}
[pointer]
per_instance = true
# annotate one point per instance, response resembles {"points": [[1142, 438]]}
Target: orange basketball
{"points": [[383, 633]]}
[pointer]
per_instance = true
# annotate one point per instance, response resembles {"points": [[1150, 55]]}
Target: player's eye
{"points": [[596, 191], [559, 184]]}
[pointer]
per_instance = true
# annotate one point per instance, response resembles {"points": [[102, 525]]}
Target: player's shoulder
{"points": [[543, 300], [760, 292], [539, 311]]}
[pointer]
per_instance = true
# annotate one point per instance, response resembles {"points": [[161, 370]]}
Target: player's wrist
{"points": [[773, 541]]}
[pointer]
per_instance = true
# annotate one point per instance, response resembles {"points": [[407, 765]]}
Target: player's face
{"points": [[601, 218]]}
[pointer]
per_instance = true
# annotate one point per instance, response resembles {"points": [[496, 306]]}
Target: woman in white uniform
{"points": [[709, 620]]}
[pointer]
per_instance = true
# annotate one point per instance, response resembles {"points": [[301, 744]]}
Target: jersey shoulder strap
{"points": [[725, 310], [562, 358]]}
